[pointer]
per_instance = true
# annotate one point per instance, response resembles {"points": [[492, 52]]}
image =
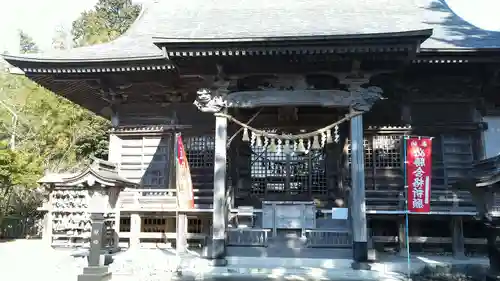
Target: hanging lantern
{"points": [[272, 145], [337, 135], [245, 135], [300, 146], [315, 144], [329, 136], [258, 141]]}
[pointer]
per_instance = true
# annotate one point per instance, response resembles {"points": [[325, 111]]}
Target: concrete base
{"points": [[361, 266], [95, 273], [389, 267], [217, 262], [360, 251], [215, 253], [490, 277]]}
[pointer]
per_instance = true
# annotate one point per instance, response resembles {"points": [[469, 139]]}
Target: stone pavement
{"points": [[31, 260], [389, 268]]}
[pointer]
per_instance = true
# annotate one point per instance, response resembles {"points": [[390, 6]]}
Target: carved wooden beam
{"points": [[290, 91]]}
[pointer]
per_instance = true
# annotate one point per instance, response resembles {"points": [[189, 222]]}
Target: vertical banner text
{"points": [[418, 174]]}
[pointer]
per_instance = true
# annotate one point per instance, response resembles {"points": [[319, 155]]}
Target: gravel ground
{"points": [[452, 273], [30, 260]]}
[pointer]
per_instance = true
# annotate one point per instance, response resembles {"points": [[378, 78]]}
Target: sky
{"points": [[38, 18]]}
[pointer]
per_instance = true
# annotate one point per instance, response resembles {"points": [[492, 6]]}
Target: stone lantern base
{"points": [[95, 273]]}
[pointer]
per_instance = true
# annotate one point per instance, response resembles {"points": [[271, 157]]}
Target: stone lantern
{"points": [[483, 183]]}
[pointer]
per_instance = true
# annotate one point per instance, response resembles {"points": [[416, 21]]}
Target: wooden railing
{"points": [[442, 201], [383, 201], [321, 238], [147, 199], [248, 237]]}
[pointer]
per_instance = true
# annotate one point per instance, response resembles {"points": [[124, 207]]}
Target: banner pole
{"points": [[407, 220], [176, 163]]}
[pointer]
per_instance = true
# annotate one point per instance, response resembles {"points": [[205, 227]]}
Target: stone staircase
{"points": [[203, 182]]}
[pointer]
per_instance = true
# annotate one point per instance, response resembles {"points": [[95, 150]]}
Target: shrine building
{"points": [[280, 105]]}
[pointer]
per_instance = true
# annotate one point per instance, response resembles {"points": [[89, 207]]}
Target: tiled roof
{"points": [[231, 19]]}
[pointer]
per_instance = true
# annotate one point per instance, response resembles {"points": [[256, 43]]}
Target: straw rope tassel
{"points": [[253, 139], [286, 147], [337, 136], [272, 145], [315, 144], [329, 136], [258, 141], [245, 135], [300, 146]]}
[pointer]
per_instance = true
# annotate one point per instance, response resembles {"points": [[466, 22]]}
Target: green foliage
{"points": [[26, 43], [19, 172], [51, 132], [61, 133], [108, 20]]}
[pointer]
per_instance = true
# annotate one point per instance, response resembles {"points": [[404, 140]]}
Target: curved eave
{"points": [[458, 55], [416, 34], [48, 59], [358, 43], [77, 91], [91, 176], [30, 64]]}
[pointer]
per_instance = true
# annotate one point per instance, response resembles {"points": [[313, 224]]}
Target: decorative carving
{"points": [[207, 102], [291, 91], [361, 99], [367, 98], [285, 83]]}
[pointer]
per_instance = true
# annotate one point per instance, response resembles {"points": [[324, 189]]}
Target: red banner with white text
{"points": [[183, 178], [418, 174]]}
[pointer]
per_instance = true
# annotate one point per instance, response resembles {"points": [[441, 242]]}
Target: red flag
{"points": [[418, 174], [183, 178]]}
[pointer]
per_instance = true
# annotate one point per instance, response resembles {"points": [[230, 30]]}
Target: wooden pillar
{"points": [[457, 232], [47, 228], [181, 233], [403, 251], [358, 204], [218, 249], [117, 220], [48, 221], [135, 230]]}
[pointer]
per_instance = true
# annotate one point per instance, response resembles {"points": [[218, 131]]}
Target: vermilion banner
{"points": [[418, 174], [183, 177]]}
